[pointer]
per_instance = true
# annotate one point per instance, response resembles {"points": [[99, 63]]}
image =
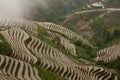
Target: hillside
{"points": [[85, 22], [101, 28], [62, 40], [46, 51], [55, 10]]}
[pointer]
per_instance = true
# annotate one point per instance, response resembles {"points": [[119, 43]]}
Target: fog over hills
{"points": [[19, 8]]}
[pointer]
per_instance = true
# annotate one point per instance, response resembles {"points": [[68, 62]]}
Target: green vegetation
{"points": [[5, 48], [41, 30], [85, 52], [85, 18], [48, 75], [100, 32], [70, 25], [56, 11], [112, 3], [105, 37], [98, 26]]}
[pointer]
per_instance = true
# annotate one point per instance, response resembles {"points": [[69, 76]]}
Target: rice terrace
{"points": [[59, 40]]}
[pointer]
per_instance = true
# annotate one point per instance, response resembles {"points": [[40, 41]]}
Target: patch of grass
{"points": [[112, 3], [84, 52], [70, 25], [5, 48], [48, 75], [41, 30]]}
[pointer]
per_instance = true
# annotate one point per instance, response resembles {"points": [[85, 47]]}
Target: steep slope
{"points": [[32, 49]]}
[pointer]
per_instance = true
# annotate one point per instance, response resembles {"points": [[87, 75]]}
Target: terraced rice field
{"points": [[109, 54], [15, 69], [63, 41], [28, 50], [64, 31]]}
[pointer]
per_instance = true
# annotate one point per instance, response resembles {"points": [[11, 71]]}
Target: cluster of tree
{"points": [[56, 11], [102, 34]]}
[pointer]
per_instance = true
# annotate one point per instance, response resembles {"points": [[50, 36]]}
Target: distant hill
{"points": [[112, 3], [81, 22], [55, 10]]}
